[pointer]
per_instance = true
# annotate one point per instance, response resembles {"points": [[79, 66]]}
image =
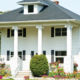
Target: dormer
{"points": [[31, 7]]}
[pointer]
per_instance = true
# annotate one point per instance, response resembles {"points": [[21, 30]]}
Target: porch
{"points": [[39, 39]]}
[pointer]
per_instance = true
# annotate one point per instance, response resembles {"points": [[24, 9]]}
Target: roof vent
{"points": [[57, 2]]}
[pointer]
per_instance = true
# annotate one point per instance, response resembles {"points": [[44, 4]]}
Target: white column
{"points": [[68, 60], [14, 60], [39, 39], [69, 40], [15, 41]]}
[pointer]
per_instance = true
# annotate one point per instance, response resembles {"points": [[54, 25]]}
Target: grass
{"points": [[7, 79]]}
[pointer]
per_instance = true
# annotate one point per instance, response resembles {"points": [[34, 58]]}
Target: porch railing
{"points": [[2, 60], [19, 66]]}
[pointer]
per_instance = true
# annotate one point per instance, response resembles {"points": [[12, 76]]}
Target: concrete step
{"points": [[21, 74]]}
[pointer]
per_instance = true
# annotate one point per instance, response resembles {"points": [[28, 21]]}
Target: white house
{"points": [[43, 27]]}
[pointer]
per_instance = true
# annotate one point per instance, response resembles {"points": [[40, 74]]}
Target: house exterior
{"points": [[42, 27]]}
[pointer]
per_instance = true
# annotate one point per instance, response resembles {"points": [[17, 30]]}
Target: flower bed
{"points": [[60, 74]]}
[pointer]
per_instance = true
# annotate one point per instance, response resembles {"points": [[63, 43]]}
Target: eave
{"points": [[37, 22]]}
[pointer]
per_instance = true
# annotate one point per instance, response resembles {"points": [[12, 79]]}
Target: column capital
{"points": [[68, 26], [15, 27], [39, 26]]}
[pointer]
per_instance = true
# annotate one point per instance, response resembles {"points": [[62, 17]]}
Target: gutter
{"points": [[38, 21]]}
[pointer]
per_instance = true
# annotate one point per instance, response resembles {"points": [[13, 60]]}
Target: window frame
{"points": [[60, 56], [21, 32], [62, 32], [31, 7]]}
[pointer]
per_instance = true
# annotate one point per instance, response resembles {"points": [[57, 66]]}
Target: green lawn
{"points": [[7, 79]]}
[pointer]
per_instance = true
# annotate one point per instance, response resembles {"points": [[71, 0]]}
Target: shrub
{"points": [[39, 65]]}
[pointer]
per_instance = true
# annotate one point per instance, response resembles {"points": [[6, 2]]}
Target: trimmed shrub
{"points": [[39, 65]]}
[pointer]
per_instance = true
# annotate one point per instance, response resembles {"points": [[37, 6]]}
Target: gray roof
{"points": [[33, 1], [52, 12]]}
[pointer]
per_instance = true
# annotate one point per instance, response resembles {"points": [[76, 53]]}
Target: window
{"points": [[20, 32], [24, 32], [44, 52], [24, 55], [12, 32], [52, 32], [60, 53], [8, 55], [61, 60], [52, 55], [30, 8], [20, 55], [64, 31], [12, 54], [8, 33], [60, 32], [32, 54]]}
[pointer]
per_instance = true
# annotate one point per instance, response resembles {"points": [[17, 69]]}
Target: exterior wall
{"points": [[37, 9], [30, 43]]}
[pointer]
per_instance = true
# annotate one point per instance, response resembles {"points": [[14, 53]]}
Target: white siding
{"points": [[30, 43]]}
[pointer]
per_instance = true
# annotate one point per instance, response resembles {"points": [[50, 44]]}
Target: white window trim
{"points": [[59, 56], [61, 32]]}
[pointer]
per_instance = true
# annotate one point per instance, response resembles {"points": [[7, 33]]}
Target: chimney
{"points": [[56, 2]]}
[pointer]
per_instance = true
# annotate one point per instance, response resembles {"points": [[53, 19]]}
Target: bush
{"points": [[39, 65]]}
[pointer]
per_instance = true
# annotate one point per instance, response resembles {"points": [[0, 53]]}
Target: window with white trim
{"points": [[59, 55], [21, 32], [30, 8], [21, 55], [60, 31]]}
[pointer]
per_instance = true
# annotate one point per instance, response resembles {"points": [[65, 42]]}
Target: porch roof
{"points": [[51, 12]]}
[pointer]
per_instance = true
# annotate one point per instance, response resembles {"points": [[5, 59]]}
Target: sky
{"points": [[73, 5]]}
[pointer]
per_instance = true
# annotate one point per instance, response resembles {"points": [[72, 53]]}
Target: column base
{"points": [[68, 64]]}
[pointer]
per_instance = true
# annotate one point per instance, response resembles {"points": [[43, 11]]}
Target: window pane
{"points": [[8, 55], [12, 54], [24, 32], [52, 55], [60, 53], [12, 32], [19, 32], [44, 52], [58, 31], [20, 54], [32, 53], [64, 31], [52, 32], [30, 8], [24, 54], [8, 33], [63, 53], [61, 60]]}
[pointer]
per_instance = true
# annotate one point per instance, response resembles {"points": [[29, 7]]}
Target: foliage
{"points": [[2, 72], [7, 79], [2, 65], [54, 66], [5, 71], [75, 66], [39, 65]]}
